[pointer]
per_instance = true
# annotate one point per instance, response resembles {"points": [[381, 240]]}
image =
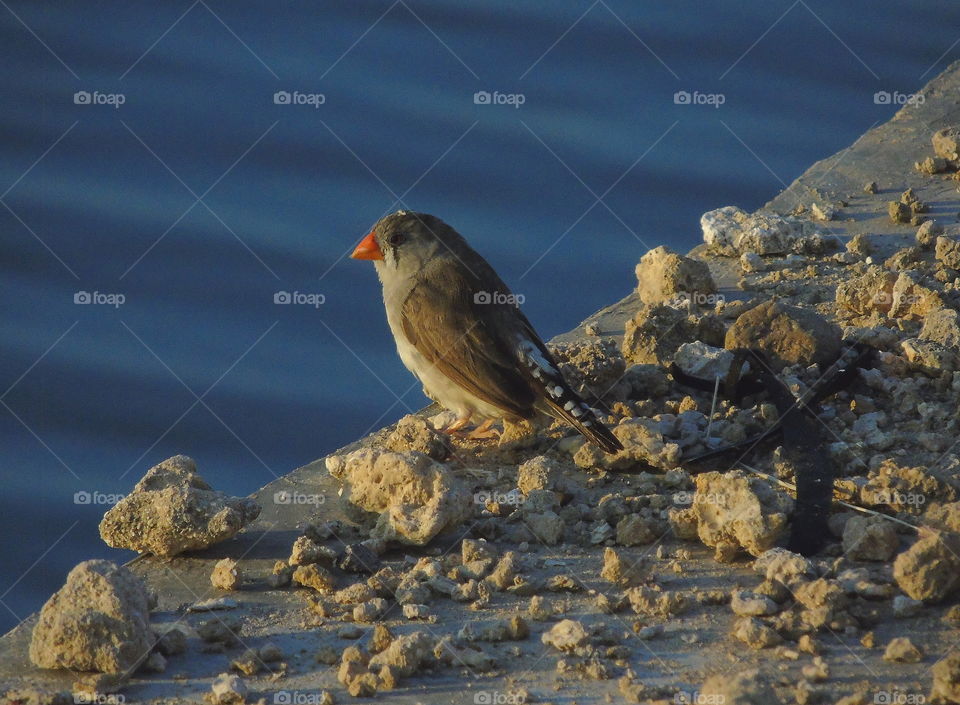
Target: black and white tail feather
{"points": [[561, 402]]}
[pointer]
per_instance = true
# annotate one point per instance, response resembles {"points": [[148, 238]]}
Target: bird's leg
{"points": [[484, 431], [461, 421]]}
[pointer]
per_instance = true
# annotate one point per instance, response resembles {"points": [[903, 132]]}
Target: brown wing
{"points": [[458, 336]]}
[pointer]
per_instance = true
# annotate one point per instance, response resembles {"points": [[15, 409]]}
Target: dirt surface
{"points": [[657, 618]]}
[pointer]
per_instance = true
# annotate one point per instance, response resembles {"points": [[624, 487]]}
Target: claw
{"points": [[484, 431], [481, 432], [457, 425]]}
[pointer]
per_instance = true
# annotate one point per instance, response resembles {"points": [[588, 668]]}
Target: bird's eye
{"points": [[397, 238]]}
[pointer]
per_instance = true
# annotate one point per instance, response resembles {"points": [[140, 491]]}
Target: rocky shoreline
{"points": [[412, 568]]}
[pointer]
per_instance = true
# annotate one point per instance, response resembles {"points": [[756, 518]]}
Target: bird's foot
{"points": [[484, 431], [455, 429]]}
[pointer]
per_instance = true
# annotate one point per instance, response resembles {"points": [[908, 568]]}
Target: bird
{"points": [[459, 329]]}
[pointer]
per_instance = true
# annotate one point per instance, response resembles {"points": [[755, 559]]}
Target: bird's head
{"points": [[403, 242]]}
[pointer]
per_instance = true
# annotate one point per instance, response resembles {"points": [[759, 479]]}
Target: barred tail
{"points": [[566, 408], [560, 401]]}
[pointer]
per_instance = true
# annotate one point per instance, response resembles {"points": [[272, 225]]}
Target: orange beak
{"points": [[368, 249]]}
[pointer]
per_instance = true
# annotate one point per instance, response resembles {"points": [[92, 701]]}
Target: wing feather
{"points": [[444, 323], [491, 350]]}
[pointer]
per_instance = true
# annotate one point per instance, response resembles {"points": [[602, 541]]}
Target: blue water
{"points": [[95, 394]]}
